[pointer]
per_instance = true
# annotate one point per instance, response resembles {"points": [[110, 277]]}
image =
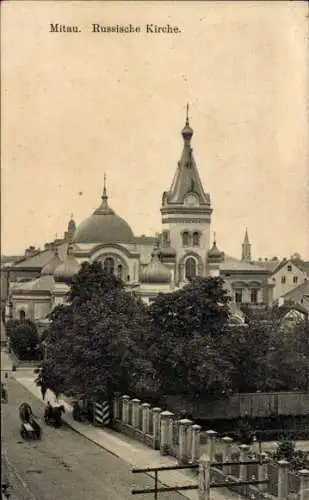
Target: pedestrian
{"points": [[43, 391]]}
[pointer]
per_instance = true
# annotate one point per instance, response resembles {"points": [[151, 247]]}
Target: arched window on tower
{"points": [[22, 314], [196, 239], [109, 265], [119, 271], [190, 269], [185, 239]]}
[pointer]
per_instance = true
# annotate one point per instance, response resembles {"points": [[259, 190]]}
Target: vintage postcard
{"points": [[154, 248]]}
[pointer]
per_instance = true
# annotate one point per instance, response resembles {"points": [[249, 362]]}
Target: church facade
{"points": [[147, 265]]}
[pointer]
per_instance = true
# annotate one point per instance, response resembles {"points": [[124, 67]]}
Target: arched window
{"points": [[109, 265], [22, 314], [190, 269], [185, 239], [196, 239], [119, 271]]}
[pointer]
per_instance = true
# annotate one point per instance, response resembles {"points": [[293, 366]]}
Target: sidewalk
{"points": [[135, 454]]}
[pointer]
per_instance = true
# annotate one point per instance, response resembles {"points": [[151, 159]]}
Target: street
{"points": [[63, 465]]}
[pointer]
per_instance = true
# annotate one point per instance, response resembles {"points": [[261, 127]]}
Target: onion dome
{"points": [[51, 266], [155, 272], [214, 254], [68, 269], [104, 226]]}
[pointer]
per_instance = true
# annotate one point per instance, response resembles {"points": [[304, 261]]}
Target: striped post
{"points": [[106, 413], [98, 414], [102, 415]]}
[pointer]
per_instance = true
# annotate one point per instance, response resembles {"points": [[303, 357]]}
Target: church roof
{"points": [[186, 179], [41, 258], [104, 226], [41, 284]]}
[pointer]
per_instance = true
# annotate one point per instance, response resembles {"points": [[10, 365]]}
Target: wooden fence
{"points": [[253, 405]]}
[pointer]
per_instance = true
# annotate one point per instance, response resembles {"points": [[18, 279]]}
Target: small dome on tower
{"points": [[51, 266], [68, 269], [187, 131], [214, 254], [155, 271]]}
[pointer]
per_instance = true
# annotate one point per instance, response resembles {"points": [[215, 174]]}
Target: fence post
{"points": [[304, 484], [170, 430], [183, 444], [196, 441], [164, 419], [125, 409], [227, 454], [156, 427], [145, 417], [135, 412], [263, 470], [211, 443], [243, 469], [204, 478], [283, 488]]}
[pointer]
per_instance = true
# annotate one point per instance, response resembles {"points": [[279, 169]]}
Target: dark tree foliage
{"points": [[24, 339], [186, 331], [97, 344]]}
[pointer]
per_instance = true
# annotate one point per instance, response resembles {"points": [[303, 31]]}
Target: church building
{"points": [[148, 265]]}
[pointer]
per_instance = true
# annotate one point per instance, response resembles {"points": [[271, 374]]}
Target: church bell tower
{"points": [[186, 216]]}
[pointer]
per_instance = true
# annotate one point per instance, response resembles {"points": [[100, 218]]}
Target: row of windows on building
{"points": [[283, 280], [239, 295], [189, 239]]}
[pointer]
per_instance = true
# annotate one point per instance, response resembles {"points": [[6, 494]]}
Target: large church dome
{"points": [[104, 226]]}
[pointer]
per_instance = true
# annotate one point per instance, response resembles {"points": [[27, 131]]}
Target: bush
{"points": [[298, 459], [24, 339]]}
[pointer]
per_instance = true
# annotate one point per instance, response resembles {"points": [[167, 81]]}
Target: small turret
{"points": [[246, 248]]}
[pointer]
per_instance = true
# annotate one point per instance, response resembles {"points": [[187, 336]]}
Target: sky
{"points": [[78, 105]]}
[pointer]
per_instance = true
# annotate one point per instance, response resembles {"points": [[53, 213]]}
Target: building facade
{"points": [[149, 265]]}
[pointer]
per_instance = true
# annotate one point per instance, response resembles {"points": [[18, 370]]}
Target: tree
{"points": [[95, 346], [185, 334], [24, 339]]}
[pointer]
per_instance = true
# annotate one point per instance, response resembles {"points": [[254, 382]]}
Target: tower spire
{"points": [[187, 115], [104, 196], [104, 208], [246, 248]]}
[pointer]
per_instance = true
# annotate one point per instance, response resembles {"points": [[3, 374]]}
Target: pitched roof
{"points": [[9, 259], [270, 265], [187, 179], [299, 294], [41, 284], [40, 259], [233, 264]]}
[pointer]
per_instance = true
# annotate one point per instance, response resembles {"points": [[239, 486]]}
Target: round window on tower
{"points": [[191, 200]]}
